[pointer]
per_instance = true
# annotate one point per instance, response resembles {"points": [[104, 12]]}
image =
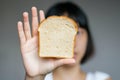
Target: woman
{"points": [[38, 68]]}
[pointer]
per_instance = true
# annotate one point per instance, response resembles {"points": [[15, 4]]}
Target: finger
{"points": [[42, 15], [26, 25], [34, 21], [63, 61], [21, 33]]}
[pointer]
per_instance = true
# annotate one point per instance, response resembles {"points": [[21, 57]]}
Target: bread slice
{"points": [[57, 37]]}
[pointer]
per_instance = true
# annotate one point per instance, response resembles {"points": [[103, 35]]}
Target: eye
{"points": [[78, 32]]}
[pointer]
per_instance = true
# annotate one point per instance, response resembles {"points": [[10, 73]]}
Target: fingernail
{"points": [[34, 7], [25, 13]]}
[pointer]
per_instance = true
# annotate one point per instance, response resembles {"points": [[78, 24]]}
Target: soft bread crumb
{"points": [[57, 37]]}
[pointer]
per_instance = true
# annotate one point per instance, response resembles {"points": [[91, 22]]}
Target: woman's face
{"points": [[80, 45]]}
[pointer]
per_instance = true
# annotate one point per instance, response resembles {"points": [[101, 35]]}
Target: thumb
{"points": [[63, 61]]}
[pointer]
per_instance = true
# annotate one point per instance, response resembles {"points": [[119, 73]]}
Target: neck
{"points": [[66, 72]]}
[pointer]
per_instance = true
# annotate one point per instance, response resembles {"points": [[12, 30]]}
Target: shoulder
{"points": [[109, 78], [90, 76], [98, 76]]}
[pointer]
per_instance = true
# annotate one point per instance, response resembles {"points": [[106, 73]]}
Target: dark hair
{"points": [[77, 14]]}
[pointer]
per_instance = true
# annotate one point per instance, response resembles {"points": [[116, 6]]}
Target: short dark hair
{"points": [[77, 14]]}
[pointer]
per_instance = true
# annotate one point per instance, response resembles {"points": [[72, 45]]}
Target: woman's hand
{"points": [[35, 65]]}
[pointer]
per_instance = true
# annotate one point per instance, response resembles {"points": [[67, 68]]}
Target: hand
{"points": [[35, 65]]}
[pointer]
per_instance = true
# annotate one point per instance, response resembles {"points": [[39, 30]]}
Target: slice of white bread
{"points": [[57, 37]]}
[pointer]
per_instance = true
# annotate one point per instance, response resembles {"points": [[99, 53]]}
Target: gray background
{"points": [[104, 18]]}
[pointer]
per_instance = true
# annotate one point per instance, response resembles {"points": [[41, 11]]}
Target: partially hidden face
{"points": [[80, 44]]}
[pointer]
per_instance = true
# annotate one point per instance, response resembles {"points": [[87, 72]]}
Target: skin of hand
{"points": [[35, 65]]}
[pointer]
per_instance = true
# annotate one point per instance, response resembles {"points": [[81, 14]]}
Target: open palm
{"points": [[35, 65]]}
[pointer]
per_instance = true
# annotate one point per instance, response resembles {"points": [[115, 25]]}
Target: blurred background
{"points": [[104, 20]]}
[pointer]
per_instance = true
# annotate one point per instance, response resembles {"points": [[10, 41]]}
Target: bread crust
{"points": [[63, 17]]}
